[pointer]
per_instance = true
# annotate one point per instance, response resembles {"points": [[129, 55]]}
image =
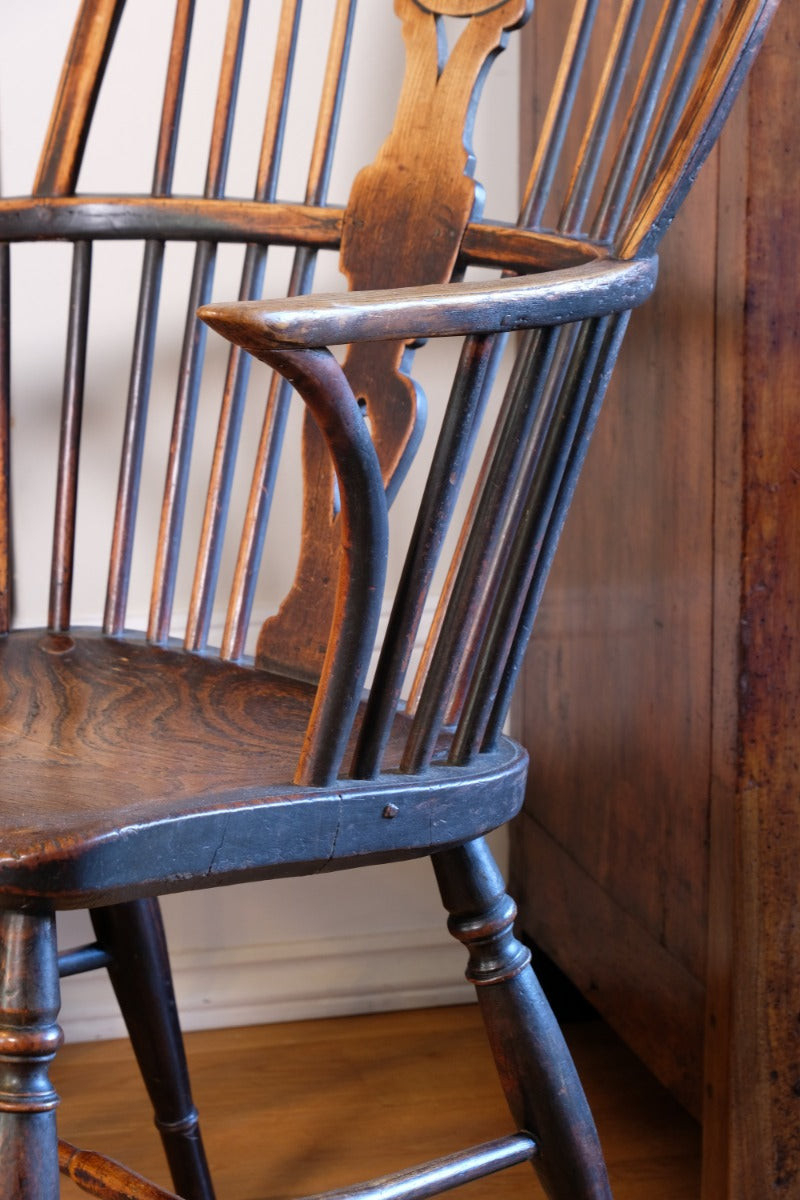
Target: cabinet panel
{"points": [[656, 856]]}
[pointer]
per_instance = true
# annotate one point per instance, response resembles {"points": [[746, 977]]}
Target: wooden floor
{"points": [[298, 1108]]}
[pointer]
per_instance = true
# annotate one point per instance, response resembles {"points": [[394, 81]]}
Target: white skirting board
{"points": [[249, 985]]}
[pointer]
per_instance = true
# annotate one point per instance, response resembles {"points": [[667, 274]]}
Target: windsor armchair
{"points": [[142, 763]]}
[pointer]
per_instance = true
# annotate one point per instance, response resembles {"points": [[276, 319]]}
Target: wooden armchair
{"points": [[142, 763]]}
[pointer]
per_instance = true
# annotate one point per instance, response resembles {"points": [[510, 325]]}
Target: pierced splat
{"points": [[403, 226]]}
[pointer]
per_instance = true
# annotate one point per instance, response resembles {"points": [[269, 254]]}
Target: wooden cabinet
{"points": [[657, 857]]}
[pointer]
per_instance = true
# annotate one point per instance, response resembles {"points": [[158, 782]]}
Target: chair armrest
{"points": [[293, 335], [317, 377], [438, 310]]}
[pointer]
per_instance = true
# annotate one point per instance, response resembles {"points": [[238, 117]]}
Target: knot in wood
{"points": [[56, 643]]}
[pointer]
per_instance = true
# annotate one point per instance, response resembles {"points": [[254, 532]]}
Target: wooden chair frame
{"points": [[348, 780]]}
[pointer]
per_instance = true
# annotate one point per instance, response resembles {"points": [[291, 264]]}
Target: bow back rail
{"points": [[632, 149], [605, 183]]}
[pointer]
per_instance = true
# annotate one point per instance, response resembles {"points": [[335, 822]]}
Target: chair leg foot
{"points": [[535, 1067], [29, 1038], [133, 933]]}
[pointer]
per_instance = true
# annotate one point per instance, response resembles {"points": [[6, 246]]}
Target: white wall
{"points": [[349, 942]]}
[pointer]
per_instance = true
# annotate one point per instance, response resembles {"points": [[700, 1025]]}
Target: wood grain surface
{"points": [[753, 1015], [134, 767], [126, 762]]}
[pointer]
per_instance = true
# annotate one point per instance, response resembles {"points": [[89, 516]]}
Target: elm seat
{"points": [[92, 801]]}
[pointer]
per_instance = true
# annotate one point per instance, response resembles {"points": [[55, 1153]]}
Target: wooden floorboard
{"points": [[297, 1108]]}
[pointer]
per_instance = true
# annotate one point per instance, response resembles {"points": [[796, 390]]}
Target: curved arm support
{"points": [[438, 310], [321, 383]]}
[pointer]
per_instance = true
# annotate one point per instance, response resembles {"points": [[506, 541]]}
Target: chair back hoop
{"points": [[640, 90]]}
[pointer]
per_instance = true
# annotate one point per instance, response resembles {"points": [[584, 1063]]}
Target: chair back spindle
{"points": [[252, 281], [429, 215], [191, 365], [301, 280], [69, 448], [154, 752], [145, 332], [62, 154], [639, 91]]}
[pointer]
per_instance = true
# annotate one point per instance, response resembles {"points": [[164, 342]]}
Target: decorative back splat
{"points": [[132, 767], [403, 225], [607, 175]]}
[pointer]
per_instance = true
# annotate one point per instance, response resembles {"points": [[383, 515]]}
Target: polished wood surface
{"points": [[86, 717], [142, 765], [415, 199], [617, 664], [127, 771], [753, 1031], [329, 1101], [29, 1038], [450, 310], [656, 857]]}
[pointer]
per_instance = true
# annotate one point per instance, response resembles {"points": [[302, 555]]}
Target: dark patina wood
{"points": [[751, 1017], [535, 1067], [140, 764], [102, 1177], [142, 981], [131, 709], [29, 1038], [110, 1180], [647, 861], [416, 200]]}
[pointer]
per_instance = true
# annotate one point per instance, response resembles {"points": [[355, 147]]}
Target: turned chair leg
{"points": [[535, 1067], [133, 934], [29, 1038]]}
